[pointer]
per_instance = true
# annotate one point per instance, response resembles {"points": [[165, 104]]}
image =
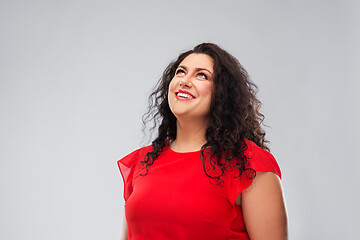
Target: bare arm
{"points": [[124, 231], [264, 208]]}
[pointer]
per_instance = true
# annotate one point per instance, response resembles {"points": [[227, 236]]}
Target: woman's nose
{"points": [[186, 81]]}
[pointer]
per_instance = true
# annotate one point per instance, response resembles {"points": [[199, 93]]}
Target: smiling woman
{"points": [[208, 174]]}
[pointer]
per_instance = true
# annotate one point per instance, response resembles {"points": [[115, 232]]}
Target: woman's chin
{"points": [[189, 116], [182, 114]]}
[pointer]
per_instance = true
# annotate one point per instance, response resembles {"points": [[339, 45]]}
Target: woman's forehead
{"points": [[198, 60]]}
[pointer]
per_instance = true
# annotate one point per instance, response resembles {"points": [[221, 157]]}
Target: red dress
{"points": [[176, 200]]}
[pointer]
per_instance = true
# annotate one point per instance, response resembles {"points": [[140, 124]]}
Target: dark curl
{"points": [[234, 114]]}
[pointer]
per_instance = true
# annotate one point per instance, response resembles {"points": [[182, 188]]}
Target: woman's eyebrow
{"points": [[203, 69], [197, 69]]}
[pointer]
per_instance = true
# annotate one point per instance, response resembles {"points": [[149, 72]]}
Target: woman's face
{"points": [[190, 89]]}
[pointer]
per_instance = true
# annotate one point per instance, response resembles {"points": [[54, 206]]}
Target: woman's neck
{"points": [[189, 136]]}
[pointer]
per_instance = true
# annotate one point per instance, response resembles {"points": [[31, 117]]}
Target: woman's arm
{"points": [[124, 232], [264, 208]]}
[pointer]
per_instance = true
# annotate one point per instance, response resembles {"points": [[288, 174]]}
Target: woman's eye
{"points": [[180, 72], [202, 75]]}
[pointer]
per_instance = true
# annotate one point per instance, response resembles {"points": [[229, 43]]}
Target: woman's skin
{"points": [[124, 230], [264, 209], [262, 203]]}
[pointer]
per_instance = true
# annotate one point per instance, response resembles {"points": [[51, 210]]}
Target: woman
{"points": [[208, 174]]}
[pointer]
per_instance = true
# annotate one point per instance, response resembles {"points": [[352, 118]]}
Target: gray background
{"points": [[75, 76]]}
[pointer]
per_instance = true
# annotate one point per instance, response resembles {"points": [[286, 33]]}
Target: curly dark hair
{"points": [[234, 113]]}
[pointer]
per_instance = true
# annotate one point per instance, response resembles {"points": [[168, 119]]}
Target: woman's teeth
{"points": [[184, 95]]}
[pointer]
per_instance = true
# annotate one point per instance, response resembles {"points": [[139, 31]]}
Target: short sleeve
{"points": [[126, 166], [258, 160]]}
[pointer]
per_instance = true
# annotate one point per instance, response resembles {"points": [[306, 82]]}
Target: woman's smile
{"points": [[184, 95]]}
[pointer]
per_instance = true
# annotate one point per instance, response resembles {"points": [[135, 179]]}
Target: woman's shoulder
{"points": [[127, 166], [135, 155], [260, 159]]}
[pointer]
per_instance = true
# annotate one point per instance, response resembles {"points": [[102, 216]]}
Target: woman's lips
{"points": [[183, 95], [183, 98]]}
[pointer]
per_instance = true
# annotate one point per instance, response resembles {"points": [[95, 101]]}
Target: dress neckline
{"points": [[179, 153]]}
